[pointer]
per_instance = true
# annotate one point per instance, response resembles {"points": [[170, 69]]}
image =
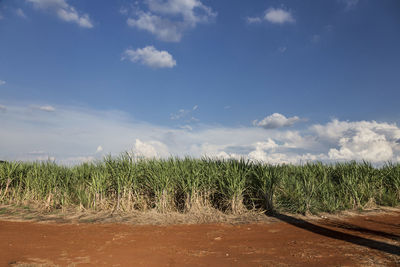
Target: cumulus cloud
{"points": [[276, 120], [213, 150], [284, 158], [274, 16], [335, 129], [367, 140], [169, 19], [278, 16], [150, 56], [2, 82], [266, 145], [365, 144], [164, 29], [271, 152], [192, 11], [70, 134], [150, 149], [64, 11]]}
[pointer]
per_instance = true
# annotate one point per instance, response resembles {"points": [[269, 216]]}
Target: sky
{"points": [[274, 81]]}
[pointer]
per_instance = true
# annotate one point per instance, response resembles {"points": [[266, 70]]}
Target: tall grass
{"points": [[185, 185]]}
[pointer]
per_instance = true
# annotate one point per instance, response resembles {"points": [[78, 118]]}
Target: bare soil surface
{"points": [[367, 239]]}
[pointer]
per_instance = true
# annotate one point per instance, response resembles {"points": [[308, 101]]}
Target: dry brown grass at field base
{"points": [[197, 215]]}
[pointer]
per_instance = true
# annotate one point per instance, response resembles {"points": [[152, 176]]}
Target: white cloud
{"points": [[367, 140], [46, 108], [365, 144], [150, 149], [284, 158], [276, 120], [192, 11], [273, 15], [215, 151], [70, 134], [259, 153], [72, 16], [2, 82], [336, 129], [99, 149], [168, 19], [266, 145], [64, 11], [20, 13], [271, 152], [164, 29], [278, 16], [151, 57]]}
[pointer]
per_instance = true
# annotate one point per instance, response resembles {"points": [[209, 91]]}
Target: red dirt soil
{"points": [[371, 239]]}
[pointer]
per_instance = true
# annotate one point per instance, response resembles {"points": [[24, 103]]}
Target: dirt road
{"points": [[364, 240]]}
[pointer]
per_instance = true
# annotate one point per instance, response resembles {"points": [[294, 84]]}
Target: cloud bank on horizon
{"points": [[71, 135]]}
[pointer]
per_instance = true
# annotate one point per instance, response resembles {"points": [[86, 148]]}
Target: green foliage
{"points": [[263, 181], [185, 185]]}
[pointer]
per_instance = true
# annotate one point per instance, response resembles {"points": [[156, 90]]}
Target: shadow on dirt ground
{"points": [[384, 223], [362, 230], [357, 240]]}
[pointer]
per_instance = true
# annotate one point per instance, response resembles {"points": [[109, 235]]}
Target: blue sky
{"points": [[278, 81]]}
